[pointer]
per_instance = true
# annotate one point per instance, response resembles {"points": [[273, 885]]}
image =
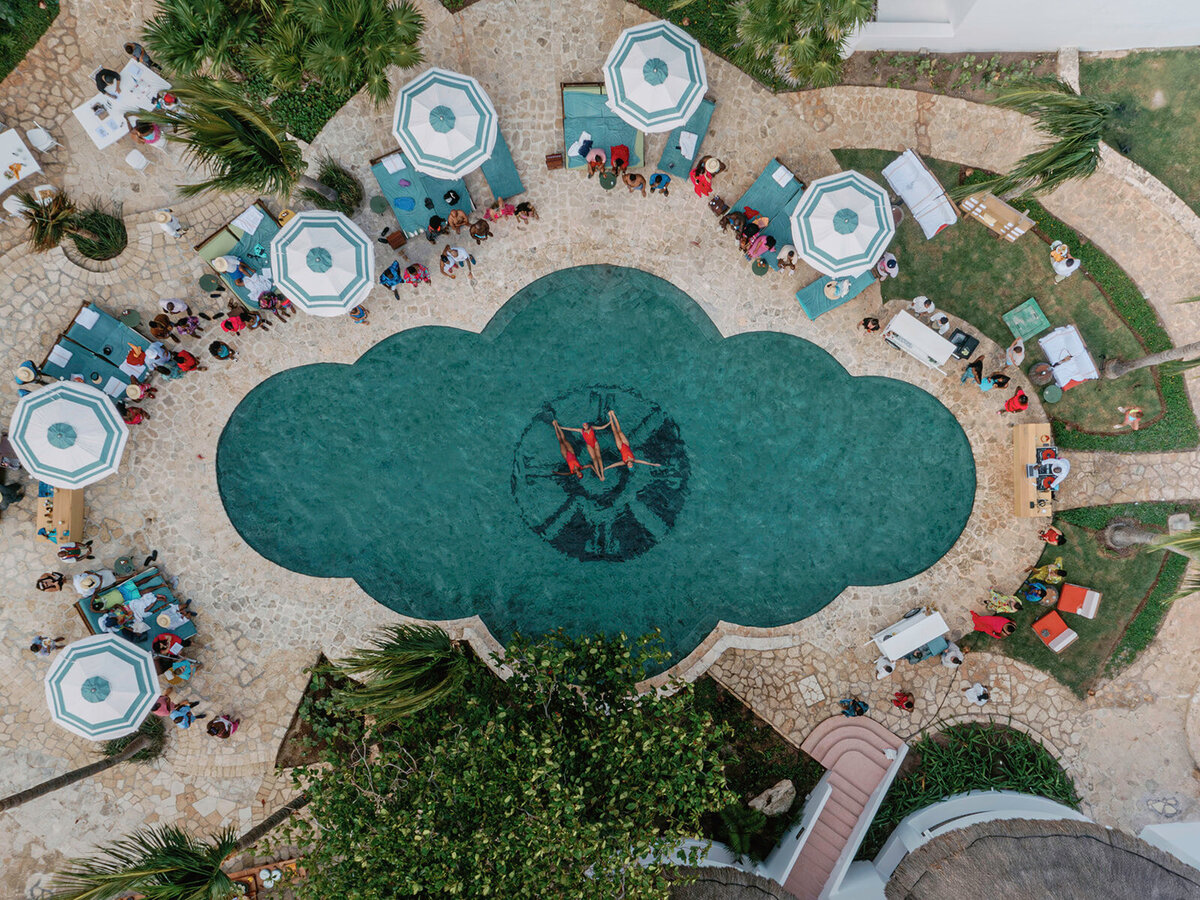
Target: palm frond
{"points": [[48, 223], [163, 863], [407, 668], [237, 141]]}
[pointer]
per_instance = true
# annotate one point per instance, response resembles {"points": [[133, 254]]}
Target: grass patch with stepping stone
{"points": [[1135, 596]]}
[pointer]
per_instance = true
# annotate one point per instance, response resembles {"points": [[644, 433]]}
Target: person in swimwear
{"points": [[589, 438], [564, 447], [627, 457]]}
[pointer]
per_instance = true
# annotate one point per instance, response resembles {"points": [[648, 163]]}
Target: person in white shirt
{"points": [[952, 656], [922, 306], [977, 694]]}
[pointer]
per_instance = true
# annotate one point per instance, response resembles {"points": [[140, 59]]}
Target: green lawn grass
{"points": [[1160, 123], [973, 275], [1136, 595], [32, 24], [967, 758]]}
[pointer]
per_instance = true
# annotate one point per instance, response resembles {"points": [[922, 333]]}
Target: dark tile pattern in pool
{"points": [[427, 470]]}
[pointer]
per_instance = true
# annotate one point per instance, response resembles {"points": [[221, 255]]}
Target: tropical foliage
{"points": [[344, 45], [165, 863], [153, 729], [342, 182], [802, 41], [553, 783], [969, 758], [1076, 125], [407, 668], [1187, 543], [100, 232], [303, 58], [97, 234], [199, 37], [239, 143]]}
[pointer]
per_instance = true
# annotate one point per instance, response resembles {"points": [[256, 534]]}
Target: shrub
{"points": [[336, 176], [100, 234]]}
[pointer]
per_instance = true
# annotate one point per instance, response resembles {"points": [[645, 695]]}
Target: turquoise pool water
{"points": [[428, 470]]}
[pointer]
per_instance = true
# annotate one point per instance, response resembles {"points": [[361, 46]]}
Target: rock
{"points": [[777, 800]]}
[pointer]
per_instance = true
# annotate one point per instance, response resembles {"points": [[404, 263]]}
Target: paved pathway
{"points": [[261, 625]]}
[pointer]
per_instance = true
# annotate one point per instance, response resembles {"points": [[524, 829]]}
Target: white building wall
{"points": [[953, 26]]}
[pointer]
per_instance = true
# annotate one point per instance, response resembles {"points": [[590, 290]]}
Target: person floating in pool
{"points": [[589, 438], [564, 447], [627, 457]]}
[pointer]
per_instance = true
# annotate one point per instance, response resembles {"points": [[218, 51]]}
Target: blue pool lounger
{"points": [[250, 244], [406, 191], [774, 194], [673, 162], [501, 172], [585, 109], [814, 302]]}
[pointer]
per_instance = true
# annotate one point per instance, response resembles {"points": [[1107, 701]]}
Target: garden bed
{"points": [[974, 276], [16, 41], [1136, 593], [970, 76], [758, 758], [967, 758]]}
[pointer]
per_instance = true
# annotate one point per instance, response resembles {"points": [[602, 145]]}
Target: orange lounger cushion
{"points": [[1079, 600], [1054, 632]]}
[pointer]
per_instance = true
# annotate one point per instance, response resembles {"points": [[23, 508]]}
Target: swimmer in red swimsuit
{"points": [[564, 447], [627, 457], [589, 438]]}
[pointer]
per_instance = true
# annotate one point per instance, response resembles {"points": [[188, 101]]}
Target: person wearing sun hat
{"points": [[88, 582], [169, 223]]}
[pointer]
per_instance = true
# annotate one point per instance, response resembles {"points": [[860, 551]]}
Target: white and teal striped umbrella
{"points": [[101, 687], [842, 224], [68, 434], [655, 76], [445, 123], [323, 262]]}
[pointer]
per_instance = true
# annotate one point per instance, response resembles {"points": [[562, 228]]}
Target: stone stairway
{"points": [[853, 752]]}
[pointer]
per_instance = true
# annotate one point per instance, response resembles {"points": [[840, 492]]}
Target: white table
{"points": [[16, 162], [139, 86], [918, 340]]}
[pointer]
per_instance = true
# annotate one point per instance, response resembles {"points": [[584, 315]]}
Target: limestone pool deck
{"points": [[1127, 746]]}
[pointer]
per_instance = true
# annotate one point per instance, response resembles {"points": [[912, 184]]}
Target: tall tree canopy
{"points": [[553, 783]]}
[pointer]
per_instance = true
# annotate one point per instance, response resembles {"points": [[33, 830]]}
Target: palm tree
{"points": [[408, 668], [50, 223], [1127, 534], [193, 37], [165, 863], [1077, 124], [1186, 543], [801, 41], [240, 144], [1181, 358], [137, 745], [344, 46]]}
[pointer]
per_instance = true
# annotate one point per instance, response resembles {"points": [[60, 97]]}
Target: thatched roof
{"points": [[728, 884], [1034, 860]]}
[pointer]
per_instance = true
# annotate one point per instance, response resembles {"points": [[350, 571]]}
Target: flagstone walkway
{"points": [[260, 625]]}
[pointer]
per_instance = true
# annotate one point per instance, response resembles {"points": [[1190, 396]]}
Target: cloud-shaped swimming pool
{"points": [[429, 470]]}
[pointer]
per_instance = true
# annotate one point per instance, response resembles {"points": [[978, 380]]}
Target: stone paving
{"points": [[1127, 745]]}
